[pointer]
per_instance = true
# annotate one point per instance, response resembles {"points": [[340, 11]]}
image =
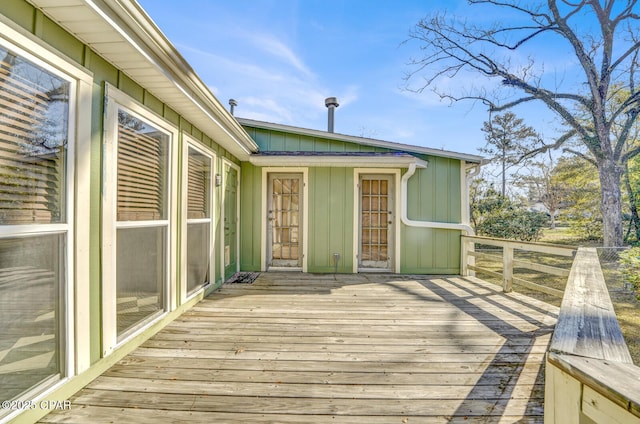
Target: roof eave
{"points": [[179, 86], [337, 161]]}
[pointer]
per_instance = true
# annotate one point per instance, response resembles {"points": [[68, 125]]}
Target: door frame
{"points": [[226, 163], [264, 249], [395, 174]]}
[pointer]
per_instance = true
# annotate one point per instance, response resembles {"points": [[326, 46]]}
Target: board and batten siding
{"points": [[36, 23], [278, 141], [433, 195], [250, 217], [330, 219]]}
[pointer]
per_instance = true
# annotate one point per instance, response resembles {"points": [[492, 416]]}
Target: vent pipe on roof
{"points": [[331, 103], [232, 105]]}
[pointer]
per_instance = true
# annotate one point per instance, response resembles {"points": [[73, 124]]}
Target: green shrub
{"points": [[630, 261], [513, 223]]}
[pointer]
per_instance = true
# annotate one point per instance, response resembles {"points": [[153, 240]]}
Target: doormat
{"points": [[243, 278]]}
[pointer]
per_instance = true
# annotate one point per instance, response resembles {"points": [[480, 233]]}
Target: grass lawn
{"points": [[626, 305]]}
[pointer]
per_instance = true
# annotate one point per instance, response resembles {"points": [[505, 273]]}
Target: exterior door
{"points": [[284, 220], [230, 221], [376, 223]]}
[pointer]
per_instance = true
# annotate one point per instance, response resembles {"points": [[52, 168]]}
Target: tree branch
{"points": [[582, 156]]}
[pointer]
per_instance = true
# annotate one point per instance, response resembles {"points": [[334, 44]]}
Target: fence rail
{"points": [[509, 262]]}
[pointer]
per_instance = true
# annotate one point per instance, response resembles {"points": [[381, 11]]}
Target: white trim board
{"points": [[115, 100], [263, 211], [189, 142], [356, 214]]}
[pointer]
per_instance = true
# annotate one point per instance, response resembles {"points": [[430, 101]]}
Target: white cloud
{"points": [[277, 48]]}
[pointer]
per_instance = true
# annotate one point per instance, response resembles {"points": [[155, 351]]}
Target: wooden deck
{"points": [[293, 348]]}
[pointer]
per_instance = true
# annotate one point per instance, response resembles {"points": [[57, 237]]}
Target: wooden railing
{"points": [[590, 376], [509, 262]]}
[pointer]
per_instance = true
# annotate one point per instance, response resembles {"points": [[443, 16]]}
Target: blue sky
{"points": [[281, 58]]}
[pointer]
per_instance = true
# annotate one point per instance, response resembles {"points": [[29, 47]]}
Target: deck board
{"points": [[294, 348]]}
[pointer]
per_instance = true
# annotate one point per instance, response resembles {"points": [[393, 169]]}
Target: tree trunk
{"points": [[611, 202]]}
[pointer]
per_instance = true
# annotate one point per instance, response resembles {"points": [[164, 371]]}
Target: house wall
{"points": [[278, 141], [56, 39], [434, 194]]}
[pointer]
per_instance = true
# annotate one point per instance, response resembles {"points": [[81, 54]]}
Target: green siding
{"points": [[278, 141], [59, 38], [250, 217], [131, 87], [433, 195], [330, 219], [20, 12]]}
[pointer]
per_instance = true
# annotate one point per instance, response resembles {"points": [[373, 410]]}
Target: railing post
{"points": [[507, 268], [464, 269]]}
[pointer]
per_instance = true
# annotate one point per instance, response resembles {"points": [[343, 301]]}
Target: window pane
{"points": [[141, 274], [142, 170], [31, 275], [198, 255], [34, 116], [199, 189]]}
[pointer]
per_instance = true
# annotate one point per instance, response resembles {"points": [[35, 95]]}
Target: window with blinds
{"points": [[34, 120], [199, 251], [142, 224], [142, 162], [34, 110], [199, 185]]}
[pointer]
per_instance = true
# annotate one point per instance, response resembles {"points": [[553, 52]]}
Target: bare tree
{"points": [[603, 37], [545, 186]]}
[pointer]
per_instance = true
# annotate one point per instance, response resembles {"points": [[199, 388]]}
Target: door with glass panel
{"points": [[284, 220], [36, 216], [199, 196], [376, 222]]}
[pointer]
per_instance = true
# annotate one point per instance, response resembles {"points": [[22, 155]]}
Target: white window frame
{"points": [[226, 163], [190, 142], [75, 311], [305, 214], [395, 173], [115, 100]]}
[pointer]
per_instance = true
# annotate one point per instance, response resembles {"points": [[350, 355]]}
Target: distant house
{"points": [[128, 192]]}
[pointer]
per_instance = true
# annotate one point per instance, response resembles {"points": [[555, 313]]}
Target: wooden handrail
{"points": [[587, 325], [589, 368]]}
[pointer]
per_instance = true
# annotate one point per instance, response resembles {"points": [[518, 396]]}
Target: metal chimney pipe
{"points": [[331, 103], [232, 104]]}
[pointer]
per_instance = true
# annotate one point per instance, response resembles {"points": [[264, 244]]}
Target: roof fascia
{"points": [[153, 44], [337, 161]]}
